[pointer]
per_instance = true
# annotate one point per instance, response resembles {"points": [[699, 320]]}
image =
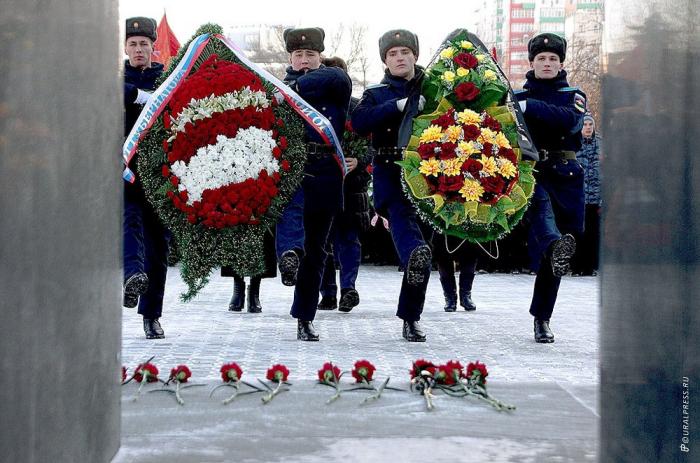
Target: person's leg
{"points": [[446, 270], [349, 253], [134, 255], [467, 269], [156, 266], [289, 239]]}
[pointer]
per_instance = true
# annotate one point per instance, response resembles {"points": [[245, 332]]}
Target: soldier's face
{"points": [[305, 60], [139, 50], [401, 62], [546, 65], [587, 130]]}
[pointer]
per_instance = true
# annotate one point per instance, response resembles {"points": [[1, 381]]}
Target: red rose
{"points": [[421, 365], [363, 369], [473, 167], [231, 372], [446, 183], [493, 184], [427, 150], [492, 123], [477, 371], [328, 373], [146, 371], [466, 60], [277, 373], [447, 150], [466, 91], [180, 373], [471, 132]]}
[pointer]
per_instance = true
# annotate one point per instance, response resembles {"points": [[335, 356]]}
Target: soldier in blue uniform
{"points": [[380, 113], [554, 114], [303, 228], [145, 239]]}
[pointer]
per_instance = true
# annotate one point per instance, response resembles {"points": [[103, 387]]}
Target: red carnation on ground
{"points": [[466, 60], [230, 372], [328, 373], [477, 372], [277, 373], [466, 91], [146, 371], [455, 368], [422, 365], [363, 370], [180, 373], [443, 376]]}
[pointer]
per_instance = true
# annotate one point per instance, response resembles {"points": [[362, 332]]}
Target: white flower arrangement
{"points": [[203, 108], [230, 160]]}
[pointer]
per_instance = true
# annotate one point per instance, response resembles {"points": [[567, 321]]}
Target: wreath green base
{"points": [[203, 249]]}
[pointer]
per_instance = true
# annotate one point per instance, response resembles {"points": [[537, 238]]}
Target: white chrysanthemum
{"points": [[230, 160], [203, 108]]}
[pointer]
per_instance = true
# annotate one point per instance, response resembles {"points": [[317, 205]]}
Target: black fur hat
{"points": [[546, 42]]}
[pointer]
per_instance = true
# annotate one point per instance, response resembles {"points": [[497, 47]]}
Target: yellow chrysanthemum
{"points": [[472, 190], [469, 117], [489, 164], [452, 167], [467, 148], [489, 75], [462, 72], [448, 76], [480, 57], [447, 53], [430, 167], [507, 169], [432, 133], [467, 45], [487, 136], [453, 133], [502, 140]]}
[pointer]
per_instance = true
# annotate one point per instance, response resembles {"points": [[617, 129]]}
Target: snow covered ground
{"points": [[554, 386]]}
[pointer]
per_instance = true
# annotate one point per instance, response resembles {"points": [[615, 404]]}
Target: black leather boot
{"points": [[418, 265], [450, 300], [152, 328], [305, 331], [238, 298], [542, 332], [412, 332], [466, 279], [465, 300], [449, 289], [328, 303], [254, 295], [349, 298], [289, 266], [134, 286], [562, 250]]}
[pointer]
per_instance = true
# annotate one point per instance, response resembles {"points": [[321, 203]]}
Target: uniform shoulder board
{"points": [[520, 93], [571, 89], [370, 87]]}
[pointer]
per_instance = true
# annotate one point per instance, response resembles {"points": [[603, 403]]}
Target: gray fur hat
{"points": [[310, 38], [397, 38], [142, 26]]}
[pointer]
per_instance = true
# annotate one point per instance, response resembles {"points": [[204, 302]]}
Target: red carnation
{"points": [[487, 150], [231, 372], [477, 372], [165, 145], [493, 184], [471, 132], [421, 365], [146, 371], [509, 154], [448, 150], [447, 184], [277, 373], [166, 120], [276, 152], [466, 91], [328, 373], [443, 375], [455, 369], [283, 143], [180, 373], [174, 180], [445, 120], [363, 370], [165, 170], [285, 165], [466, 60]]}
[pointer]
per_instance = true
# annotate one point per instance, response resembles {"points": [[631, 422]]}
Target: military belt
{"points": [[557, 155], [318, 149]]}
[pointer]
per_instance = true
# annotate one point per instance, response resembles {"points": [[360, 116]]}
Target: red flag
{"points": [[166, 45]]}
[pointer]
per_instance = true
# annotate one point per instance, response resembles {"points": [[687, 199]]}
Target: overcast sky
{"points": [[185, 16]]}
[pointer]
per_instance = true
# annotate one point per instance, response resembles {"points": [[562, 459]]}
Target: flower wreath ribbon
{"points": [[162, 95]]}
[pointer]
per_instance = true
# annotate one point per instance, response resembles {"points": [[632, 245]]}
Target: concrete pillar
{"points": [[650, 317], [60, 237]]}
